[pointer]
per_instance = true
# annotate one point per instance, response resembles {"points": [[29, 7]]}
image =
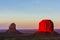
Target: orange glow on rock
{"points": [[46, 26]]}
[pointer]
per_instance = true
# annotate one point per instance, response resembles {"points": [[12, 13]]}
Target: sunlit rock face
{"points": [[45, 29], [46, 26]]}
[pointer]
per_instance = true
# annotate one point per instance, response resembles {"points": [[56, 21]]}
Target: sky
{"points": [[27, 14]]}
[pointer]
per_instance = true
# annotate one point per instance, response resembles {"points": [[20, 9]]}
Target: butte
{"points": [[12, 29], [46, 28]]}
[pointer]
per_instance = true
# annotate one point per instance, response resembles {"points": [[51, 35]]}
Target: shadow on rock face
{"points": [[12, 29]]}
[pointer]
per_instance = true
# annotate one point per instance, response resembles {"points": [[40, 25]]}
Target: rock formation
{"points": [[46, 28], [12, 29]]}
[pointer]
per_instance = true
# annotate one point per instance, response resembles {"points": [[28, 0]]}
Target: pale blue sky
{"points": [[30, 11]]}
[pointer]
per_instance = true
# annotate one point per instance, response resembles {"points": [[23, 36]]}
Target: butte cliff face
{"points": [[12, 29], [46, 28]]}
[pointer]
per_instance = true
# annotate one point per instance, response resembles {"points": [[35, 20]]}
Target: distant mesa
{"points": [[12, 29], [46, 26]]}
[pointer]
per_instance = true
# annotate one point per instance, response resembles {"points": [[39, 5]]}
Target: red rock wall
{"points": [[46, 26]]}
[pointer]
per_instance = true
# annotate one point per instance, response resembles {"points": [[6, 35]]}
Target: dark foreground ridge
{"points": [[44, 32]]}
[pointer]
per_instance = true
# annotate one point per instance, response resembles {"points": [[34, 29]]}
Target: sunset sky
{"points": [[26, 14]]}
